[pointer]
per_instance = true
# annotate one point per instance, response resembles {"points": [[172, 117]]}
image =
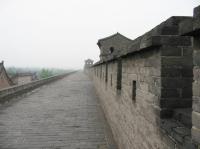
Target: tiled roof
{"points": [[2, 69]]}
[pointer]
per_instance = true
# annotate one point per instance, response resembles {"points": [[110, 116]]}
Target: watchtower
{"points": [[88, 64]]}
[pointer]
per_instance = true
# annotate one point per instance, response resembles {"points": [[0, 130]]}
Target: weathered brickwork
{"points": [[196, 91], [176, 72], [132, 120], [146, 90], [193, 29], [112, 46]]}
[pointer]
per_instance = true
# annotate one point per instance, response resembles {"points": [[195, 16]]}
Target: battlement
{"points": [[146, 85]]}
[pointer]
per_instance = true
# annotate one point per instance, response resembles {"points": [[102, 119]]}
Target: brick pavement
{"points": [[62, 115]]}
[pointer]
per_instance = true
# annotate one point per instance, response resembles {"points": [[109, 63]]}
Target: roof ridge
{"points": [[113, 36]]}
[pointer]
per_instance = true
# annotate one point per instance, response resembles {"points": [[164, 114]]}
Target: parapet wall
{"points": [[196, 72], [7, 93], [131, 118], [146, 91], [136, 105]]}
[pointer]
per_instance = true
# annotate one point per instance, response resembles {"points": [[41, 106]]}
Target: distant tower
{"points": [[88, 64]]}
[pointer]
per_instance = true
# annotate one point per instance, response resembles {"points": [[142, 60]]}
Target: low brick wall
{"points": [[8, 93]]}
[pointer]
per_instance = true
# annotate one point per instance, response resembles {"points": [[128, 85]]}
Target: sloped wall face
{"points": [[133, 110], [196, 92]]}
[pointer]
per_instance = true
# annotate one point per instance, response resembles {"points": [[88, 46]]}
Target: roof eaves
{"points": [[106, 38]]}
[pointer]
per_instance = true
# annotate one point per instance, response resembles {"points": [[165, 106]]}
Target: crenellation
{"points": [[197, 12], [150, 90]]}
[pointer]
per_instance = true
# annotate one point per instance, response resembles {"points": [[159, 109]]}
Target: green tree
{"points": [[45, 73]]}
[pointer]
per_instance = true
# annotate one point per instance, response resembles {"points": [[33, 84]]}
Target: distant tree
{"points": [[45, 73], [11, 71], [41, 73]]}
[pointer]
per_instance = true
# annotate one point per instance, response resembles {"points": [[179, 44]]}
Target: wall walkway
{"points": [[62, 115]]}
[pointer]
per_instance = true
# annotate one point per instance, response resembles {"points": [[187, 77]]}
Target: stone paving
{"points": [[62, 115]]}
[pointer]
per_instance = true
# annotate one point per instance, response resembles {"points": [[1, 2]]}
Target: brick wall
{"points": [[177, 76], [135, 112], [143, 90], [131, 120], [196, 92], [196, 83]]}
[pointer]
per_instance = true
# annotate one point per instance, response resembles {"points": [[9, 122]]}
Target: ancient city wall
{"points": [[147, 88], [130, 120], [135, 108]]}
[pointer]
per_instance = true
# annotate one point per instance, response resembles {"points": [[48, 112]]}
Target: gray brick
{"points": [[174, 83], [196, 119], [197, 12], [172, 40], [187, 72], [186, 92], [196, 58], [196, 72], [186, 26], [167, 93], [176, 72], [171, 72], [170, 30], [187, 51], [64, 114], [152, 62], [196, 27], [179, 133], [177, 62], [171, 51], [175, 103], [196, 104], [196, 43], [196, 135], [196, 89]]}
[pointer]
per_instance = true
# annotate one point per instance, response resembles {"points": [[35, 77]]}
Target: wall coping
{"points": [[172, 28], [8, 93], [150, 43]]}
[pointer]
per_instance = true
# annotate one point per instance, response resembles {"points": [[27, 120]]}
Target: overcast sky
{"points": [[63, 33]]}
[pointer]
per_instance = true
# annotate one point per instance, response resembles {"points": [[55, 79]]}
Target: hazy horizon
{"points": [[62, 34]]}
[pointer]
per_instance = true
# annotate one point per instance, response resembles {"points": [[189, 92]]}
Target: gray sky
{"points": [[62, 33]]}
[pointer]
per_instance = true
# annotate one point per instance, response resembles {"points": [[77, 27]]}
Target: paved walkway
{"points": [[62, 115]]}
